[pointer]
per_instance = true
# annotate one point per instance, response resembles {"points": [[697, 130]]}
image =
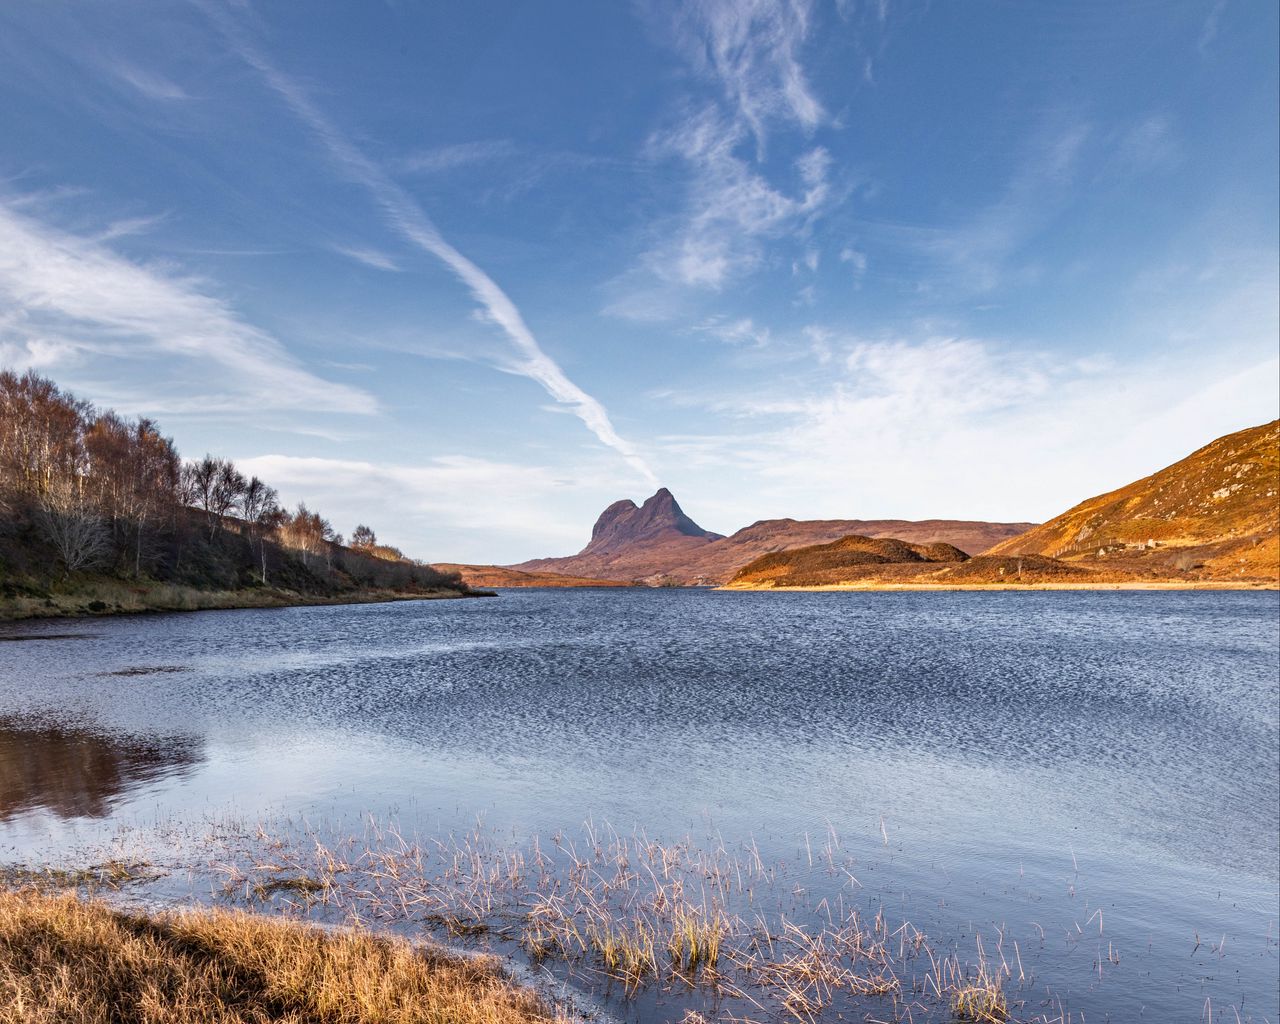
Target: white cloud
{"points": [[406, 217], [452, 508], [369, 257], [954, 426], [68, 295], [153, 86], [1150, 144], [731, 208], [979, 253], [740, 331], [459, 154], [857, 260], [751, 50]]}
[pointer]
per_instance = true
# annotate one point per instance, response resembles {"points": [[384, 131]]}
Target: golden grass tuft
{"points": [[982, 1001], [74, 961]]}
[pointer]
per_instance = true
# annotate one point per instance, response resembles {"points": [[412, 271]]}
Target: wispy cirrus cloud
{"points": [[978, 253], [750, 49], [67, 296], [403, 214], [749, 53], [374, 258], [511, 503], [732, 209], [439, 159], [855, 426], [150, 84]]}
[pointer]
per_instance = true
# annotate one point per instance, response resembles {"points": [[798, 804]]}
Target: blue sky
{"points": [[470, 272]]}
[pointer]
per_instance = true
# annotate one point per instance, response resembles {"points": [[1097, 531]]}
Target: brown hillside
{"points": [[844, 559], [662, 545], [1213, 516]]}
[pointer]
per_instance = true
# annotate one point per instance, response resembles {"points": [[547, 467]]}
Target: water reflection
{"points": [[77, 773]]}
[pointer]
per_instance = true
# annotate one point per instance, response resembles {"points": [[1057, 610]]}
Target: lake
{"points": [[1077, 790]]}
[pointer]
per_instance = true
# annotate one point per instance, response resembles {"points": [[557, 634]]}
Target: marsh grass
{"points": [[109, 875], [699, 926], [982, 1001], [713, 923], [68, 960]]}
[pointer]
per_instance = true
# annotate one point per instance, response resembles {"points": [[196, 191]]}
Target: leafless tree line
{"points": [[108, 491]]}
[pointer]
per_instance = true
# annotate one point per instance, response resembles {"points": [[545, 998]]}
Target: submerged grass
{"points": [[638, 913], [68, 960], [109, 875], [704, 927]]}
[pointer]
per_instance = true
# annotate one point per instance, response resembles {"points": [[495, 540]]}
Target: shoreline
{"points": [[871, 586], [104, 599]]}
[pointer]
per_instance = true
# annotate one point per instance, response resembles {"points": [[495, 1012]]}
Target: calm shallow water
{"points": [[993, 760]]}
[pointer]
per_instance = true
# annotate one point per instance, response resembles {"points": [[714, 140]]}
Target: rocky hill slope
{"points": [[836, 562], [876, 563], [1213, 516], [657, 543]]}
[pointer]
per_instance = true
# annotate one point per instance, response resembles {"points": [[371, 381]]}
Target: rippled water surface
{"points": [[1007, 763]]}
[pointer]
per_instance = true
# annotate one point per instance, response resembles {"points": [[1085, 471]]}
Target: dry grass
{"points": [[713, 927], [637, 912], [981, 1001], [72, 961]]}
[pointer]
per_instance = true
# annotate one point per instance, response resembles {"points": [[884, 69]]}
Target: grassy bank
{"points": [[115, 597], [70, 960]]}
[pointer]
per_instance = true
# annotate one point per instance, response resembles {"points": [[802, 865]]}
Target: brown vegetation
{"points": [[1213, 516], [644, 914], [73, 961], [848, 558]]}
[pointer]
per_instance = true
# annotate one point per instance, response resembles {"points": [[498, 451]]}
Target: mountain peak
{"points": [[624, 524]]}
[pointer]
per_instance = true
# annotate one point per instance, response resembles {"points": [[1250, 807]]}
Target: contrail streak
{"points": [[406, 217]]}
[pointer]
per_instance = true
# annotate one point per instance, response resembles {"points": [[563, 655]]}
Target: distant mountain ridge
{"points": [[656, 542]]}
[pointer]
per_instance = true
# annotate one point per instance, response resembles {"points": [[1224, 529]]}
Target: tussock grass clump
{"points": [[982, 1001], [72, 961]]}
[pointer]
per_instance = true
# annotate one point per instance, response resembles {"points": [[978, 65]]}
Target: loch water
{"points": [[1093, 775]]}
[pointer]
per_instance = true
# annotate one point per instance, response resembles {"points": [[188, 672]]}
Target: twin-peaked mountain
{"points": [[656, 542], [660, 520]]}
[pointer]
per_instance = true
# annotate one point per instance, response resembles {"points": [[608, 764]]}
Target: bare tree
{"points": [[228, 486], [260, 509], [213, 485], [73, 525], [307, 532]]}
